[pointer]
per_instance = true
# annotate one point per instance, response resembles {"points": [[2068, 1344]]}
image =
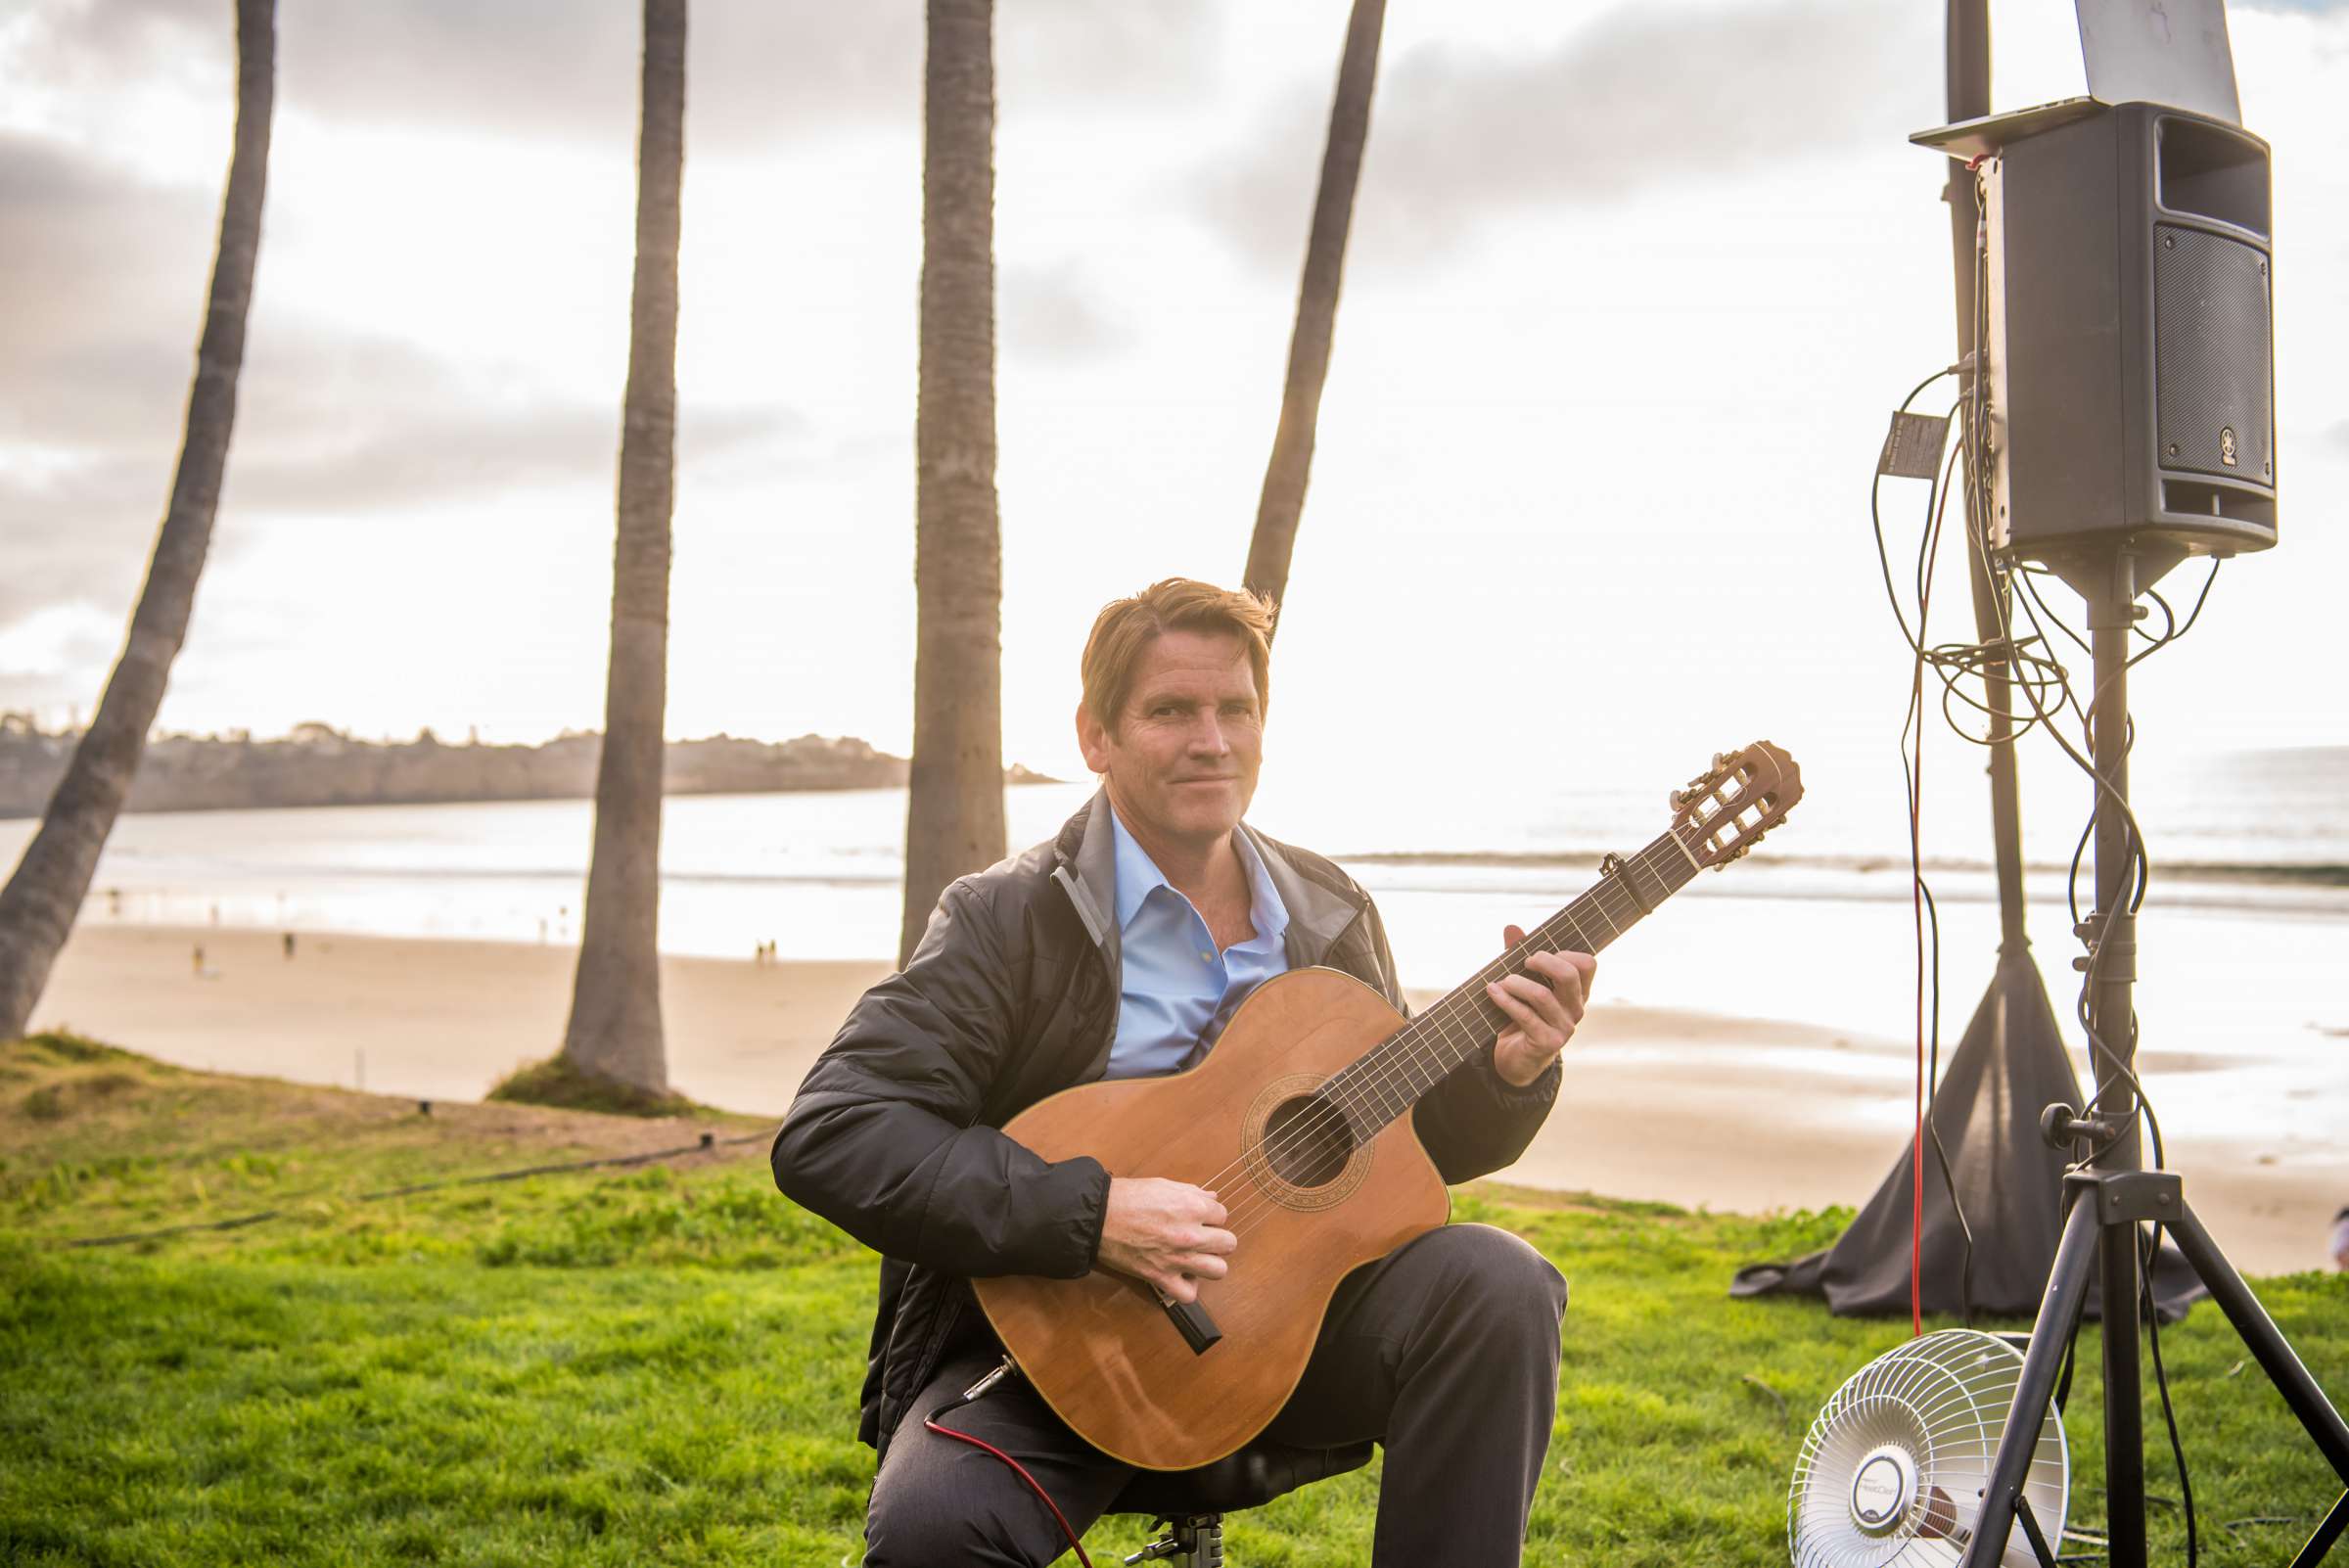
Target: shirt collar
{"points": [[1138, 873], [1138, 876]]}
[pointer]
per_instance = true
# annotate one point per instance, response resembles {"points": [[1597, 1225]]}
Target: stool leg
{"points": [[1194, 1540]]}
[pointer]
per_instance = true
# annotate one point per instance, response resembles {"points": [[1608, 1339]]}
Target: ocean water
{"points": [[2244, 935]]}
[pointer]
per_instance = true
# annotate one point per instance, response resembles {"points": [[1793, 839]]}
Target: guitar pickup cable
{"points": [[976, 1391]]}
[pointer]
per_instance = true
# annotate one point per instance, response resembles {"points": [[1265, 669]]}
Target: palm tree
{"points": [[1292, 461], [614, 1029], [38, 906], [955, 810]]}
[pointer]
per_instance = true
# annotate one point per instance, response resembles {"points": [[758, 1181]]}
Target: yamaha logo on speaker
{"points": [[2227, 444]]}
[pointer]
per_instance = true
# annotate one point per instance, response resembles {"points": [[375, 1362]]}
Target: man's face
{"points": [[1181, 762]]}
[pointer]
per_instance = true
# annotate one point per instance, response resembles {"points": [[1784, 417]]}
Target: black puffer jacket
{"points": [[1012, 995]]}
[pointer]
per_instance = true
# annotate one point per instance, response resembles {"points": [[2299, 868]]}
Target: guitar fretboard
{"points": [[1389, 1078]]}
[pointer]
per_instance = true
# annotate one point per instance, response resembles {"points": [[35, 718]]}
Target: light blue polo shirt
{"points": [[1177, 991]]}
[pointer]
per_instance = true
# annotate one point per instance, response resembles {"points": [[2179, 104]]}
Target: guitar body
{"points": [[1102, 1350]]}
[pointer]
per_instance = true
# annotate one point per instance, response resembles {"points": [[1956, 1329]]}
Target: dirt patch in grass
{"points": [[55, 1101], [1571, 1202], [75, 1102]]}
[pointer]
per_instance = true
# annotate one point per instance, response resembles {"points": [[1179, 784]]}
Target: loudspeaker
{"points": [[2131, 334]]}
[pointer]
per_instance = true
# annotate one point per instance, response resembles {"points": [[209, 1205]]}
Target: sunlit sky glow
{"points": [[1630, 292]]}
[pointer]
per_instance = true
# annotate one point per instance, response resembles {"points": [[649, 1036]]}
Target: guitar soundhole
{"points": [[1306, 1141]]}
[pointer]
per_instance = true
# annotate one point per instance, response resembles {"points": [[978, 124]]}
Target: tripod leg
{"points": [[2265, 1341], [2058, 1316], [2326, 1533]]}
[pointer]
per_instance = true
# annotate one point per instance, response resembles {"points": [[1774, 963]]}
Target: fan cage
{"points": [[1941, 1403]]}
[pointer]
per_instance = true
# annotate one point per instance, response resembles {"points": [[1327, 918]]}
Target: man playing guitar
{"points": [[1121, 947]]}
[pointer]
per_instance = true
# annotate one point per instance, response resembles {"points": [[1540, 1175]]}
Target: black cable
{"points": [[2149, 1252], [1950, 663], [1941, 1153], [1940, 660], [1883, 555], [708, 1141], [2177, 631], [1965, 1266], [2109, 1064]]}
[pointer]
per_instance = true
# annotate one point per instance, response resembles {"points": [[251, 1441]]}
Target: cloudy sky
{"points": [[1631, 288]]}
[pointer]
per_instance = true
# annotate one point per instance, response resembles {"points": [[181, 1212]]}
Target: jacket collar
{"points": [[1318, 914], [1085, 866]]}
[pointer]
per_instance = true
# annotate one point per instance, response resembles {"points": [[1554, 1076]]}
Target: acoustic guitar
{"points": [[1298, 1120]]}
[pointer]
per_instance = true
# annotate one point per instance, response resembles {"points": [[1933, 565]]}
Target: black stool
{"points": [[1193, 1503]]}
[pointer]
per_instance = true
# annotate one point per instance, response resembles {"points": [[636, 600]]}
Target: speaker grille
{"points": [[2211, 348]]}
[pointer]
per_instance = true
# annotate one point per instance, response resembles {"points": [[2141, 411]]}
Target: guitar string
{"points": [[1394, 1059], [1401, 1058], [1406, 1062], [1406, 1059]]}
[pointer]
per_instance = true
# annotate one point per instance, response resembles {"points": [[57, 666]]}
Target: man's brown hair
{"points": [[1125, 628]]}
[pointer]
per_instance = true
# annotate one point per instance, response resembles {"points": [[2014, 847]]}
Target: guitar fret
{"points": [[1386, 1081], [1390, 1078]]}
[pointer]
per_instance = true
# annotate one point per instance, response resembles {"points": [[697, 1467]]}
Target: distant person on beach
{"points": [[1121, 947], [2341, 1240], [288, 939]]}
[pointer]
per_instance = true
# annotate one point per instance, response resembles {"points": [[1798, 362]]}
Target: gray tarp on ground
{"points": [[2008, 1067]]}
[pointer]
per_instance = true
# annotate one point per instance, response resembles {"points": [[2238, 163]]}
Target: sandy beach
{"points": [[1691, 1109]]}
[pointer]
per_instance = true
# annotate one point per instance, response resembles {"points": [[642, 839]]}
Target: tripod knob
{"points": [[2060, 1126]]}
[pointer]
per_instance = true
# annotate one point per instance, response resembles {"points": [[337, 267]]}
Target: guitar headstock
{"points": [[1744, 795]]}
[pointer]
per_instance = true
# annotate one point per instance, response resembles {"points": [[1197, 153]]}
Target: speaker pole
{"points": [[1967, 84], [2111, 1017]]}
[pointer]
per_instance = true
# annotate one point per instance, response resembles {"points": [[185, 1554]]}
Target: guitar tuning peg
{"points": [[1721, 759], [1676, 799]]}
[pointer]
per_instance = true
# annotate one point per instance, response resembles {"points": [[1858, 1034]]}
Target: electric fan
{"points": [[1893, 1471]]}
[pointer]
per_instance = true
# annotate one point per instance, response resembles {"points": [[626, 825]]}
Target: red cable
{"points": [[1916, 1157], [1073, 1543], [1916, 912]]}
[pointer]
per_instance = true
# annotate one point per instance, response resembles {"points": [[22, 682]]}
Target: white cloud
{"points": [[1639, 96]]}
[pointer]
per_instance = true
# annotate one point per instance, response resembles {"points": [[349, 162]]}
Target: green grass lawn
{"points": [[660, 1363]]}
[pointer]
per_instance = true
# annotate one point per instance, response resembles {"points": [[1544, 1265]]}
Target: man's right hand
{"points": [[1168, 1234]]}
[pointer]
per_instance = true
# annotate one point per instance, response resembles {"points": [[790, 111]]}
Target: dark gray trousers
{"points": [[1446, 1351]]}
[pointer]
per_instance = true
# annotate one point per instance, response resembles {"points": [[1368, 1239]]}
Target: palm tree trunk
{"points": [[37, 907], [1283, 501], [614, 1029], [955, 810]]}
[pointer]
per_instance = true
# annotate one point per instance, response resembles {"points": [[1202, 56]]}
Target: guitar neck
{"points": [[1389, 1078]]}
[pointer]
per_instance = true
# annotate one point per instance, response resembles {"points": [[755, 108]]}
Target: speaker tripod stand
{"points": [[2109, 1199]]}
